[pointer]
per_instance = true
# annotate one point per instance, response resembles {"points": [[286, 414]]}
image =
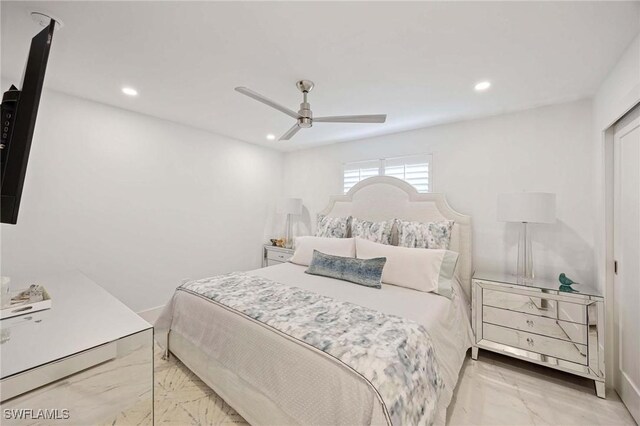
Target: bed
{"points": [[270, 375]]}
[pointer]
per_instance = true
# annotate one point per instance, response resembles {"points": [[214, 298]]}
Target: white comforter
{"points": [[270, 379]]}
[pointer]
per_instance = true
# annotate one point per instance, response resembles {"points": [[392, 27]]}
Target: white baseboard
{"points": [[151, 315]]}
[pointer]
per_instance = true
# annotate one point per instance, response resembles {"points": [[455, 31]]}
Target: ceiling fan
{"points": [[304, 116]]}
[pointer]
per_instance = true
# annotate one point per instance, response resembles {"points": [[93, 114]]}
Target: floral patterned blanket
{"points": [[393, 354]]}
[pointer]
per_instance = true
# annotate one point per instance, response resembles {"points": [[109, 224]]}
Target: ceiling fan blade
{"points": [[258, 97], [377, 118], [292, 131]]}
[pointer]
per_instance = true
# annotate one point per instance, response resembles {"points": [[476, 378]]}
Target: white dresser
{"points": [[272, 255], [539, 323], [87, 360]]}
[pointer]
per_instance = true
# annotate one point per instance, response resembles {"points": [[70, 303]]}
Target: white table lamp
{"points": [[289, 206], [525, 208]]}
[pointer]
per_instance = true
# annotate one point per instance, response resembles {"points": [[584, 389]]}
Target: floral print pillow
{"points": [[332, 227], [378, 232], [432, 235]]}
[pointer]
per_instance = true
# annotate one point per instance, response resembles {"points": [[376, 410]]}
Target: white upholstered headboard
{"points": [[385, 198]]}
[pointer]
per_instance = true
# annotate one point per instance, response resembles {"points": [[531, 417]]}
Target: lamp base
{"points": [[525, 256], [288, 236]]}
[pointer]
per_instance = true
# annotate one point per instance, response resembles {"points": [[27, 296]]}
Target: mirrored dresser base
{"points": [[87, 360], [538, 323]]}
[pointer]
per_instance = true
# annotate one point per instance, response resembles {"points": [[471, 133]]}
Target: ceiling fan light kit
{"points": [[304, 116]]}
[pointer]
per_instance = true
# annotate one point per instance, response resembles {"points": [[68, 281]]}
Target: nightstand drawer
{"points": [[540, 306], [572, 332], [535, 343], [278, 256]]}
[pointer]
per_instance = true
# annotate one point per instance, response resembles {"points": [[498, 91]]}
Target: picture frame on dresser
{"points": [[539, 323]]}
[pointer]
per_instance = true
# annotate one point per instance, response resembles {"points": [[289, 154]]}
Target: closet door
{"points": [[627, 255]]}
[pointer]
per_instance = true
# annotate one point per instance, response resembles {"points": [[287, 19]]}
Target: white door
{"points": [[626, 283]]}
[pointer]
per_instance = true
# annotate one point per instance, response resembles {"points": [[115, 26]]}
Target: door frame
{"points": [[605, 134], [628, 124]]}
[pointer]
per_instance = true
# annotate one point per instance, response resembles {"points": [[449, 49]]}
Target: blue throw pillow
{"points": [[366, 272]]}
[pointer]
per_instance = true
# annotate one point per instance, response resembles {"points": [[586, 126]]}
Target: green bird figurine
{"points": [[566, 283]]}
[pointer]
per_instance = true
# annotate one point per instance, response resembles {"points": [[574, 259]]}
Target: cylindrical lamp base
{"points": [[525, 256], [288, 236]]}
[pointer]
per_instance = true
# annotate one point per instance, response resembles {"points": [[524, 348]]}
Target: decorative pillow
{"points": [[418, 269], [332, 227], [366, 272], [378, 232], [305, 246], [432, 235]]}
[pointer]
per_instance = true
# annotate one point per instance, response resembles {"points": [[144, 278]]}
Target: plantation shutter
{"points": [[414, 170], [355, 172]]}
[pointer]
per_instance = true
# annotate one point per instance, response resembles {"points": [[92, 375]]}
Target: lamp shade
{"points": [[532, 207], [290, 206]]}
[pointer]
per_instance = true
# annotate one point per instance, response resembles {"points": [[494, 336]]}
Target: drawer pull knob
{"points": [[530, 341], [530, 323]]}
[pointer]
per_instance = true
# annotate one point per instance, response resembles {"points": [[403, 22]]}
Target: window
{"points": [[415, 170], [355, 172]]}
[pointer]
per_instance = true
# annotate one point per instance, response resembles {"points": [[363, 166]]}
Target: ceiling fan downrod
{"points": [[306, 116]]}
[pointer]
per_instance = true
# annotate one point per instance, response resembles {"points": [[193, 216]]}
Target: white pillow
{"points": [[344, 247], [429, 270]]}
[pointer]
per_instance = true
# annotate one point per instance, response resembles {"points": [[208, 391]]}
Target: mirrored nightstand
{"points": [[539, 323], [273, 255]]}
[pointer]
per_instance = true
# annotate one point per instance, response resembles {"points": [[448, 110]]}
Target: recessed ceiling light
{"points": [[129, 91], [271, 137], [482, 86]]}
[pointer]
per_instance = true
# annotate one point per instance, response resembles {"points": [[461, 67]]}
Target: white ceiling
{"points": [[417, 62]]}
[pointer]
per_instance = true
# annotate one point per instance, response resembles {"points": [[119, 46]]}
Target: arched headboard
{"points": [[384, 198]]}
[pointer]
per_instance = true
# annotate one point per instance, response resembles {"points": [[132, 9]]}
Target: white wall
{"points": [[138, 203], [545, 149]]}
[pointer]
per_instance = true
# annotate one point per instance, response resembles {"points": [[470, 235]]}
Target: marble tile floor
{"points": [[498, 390], [495, 390]]}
